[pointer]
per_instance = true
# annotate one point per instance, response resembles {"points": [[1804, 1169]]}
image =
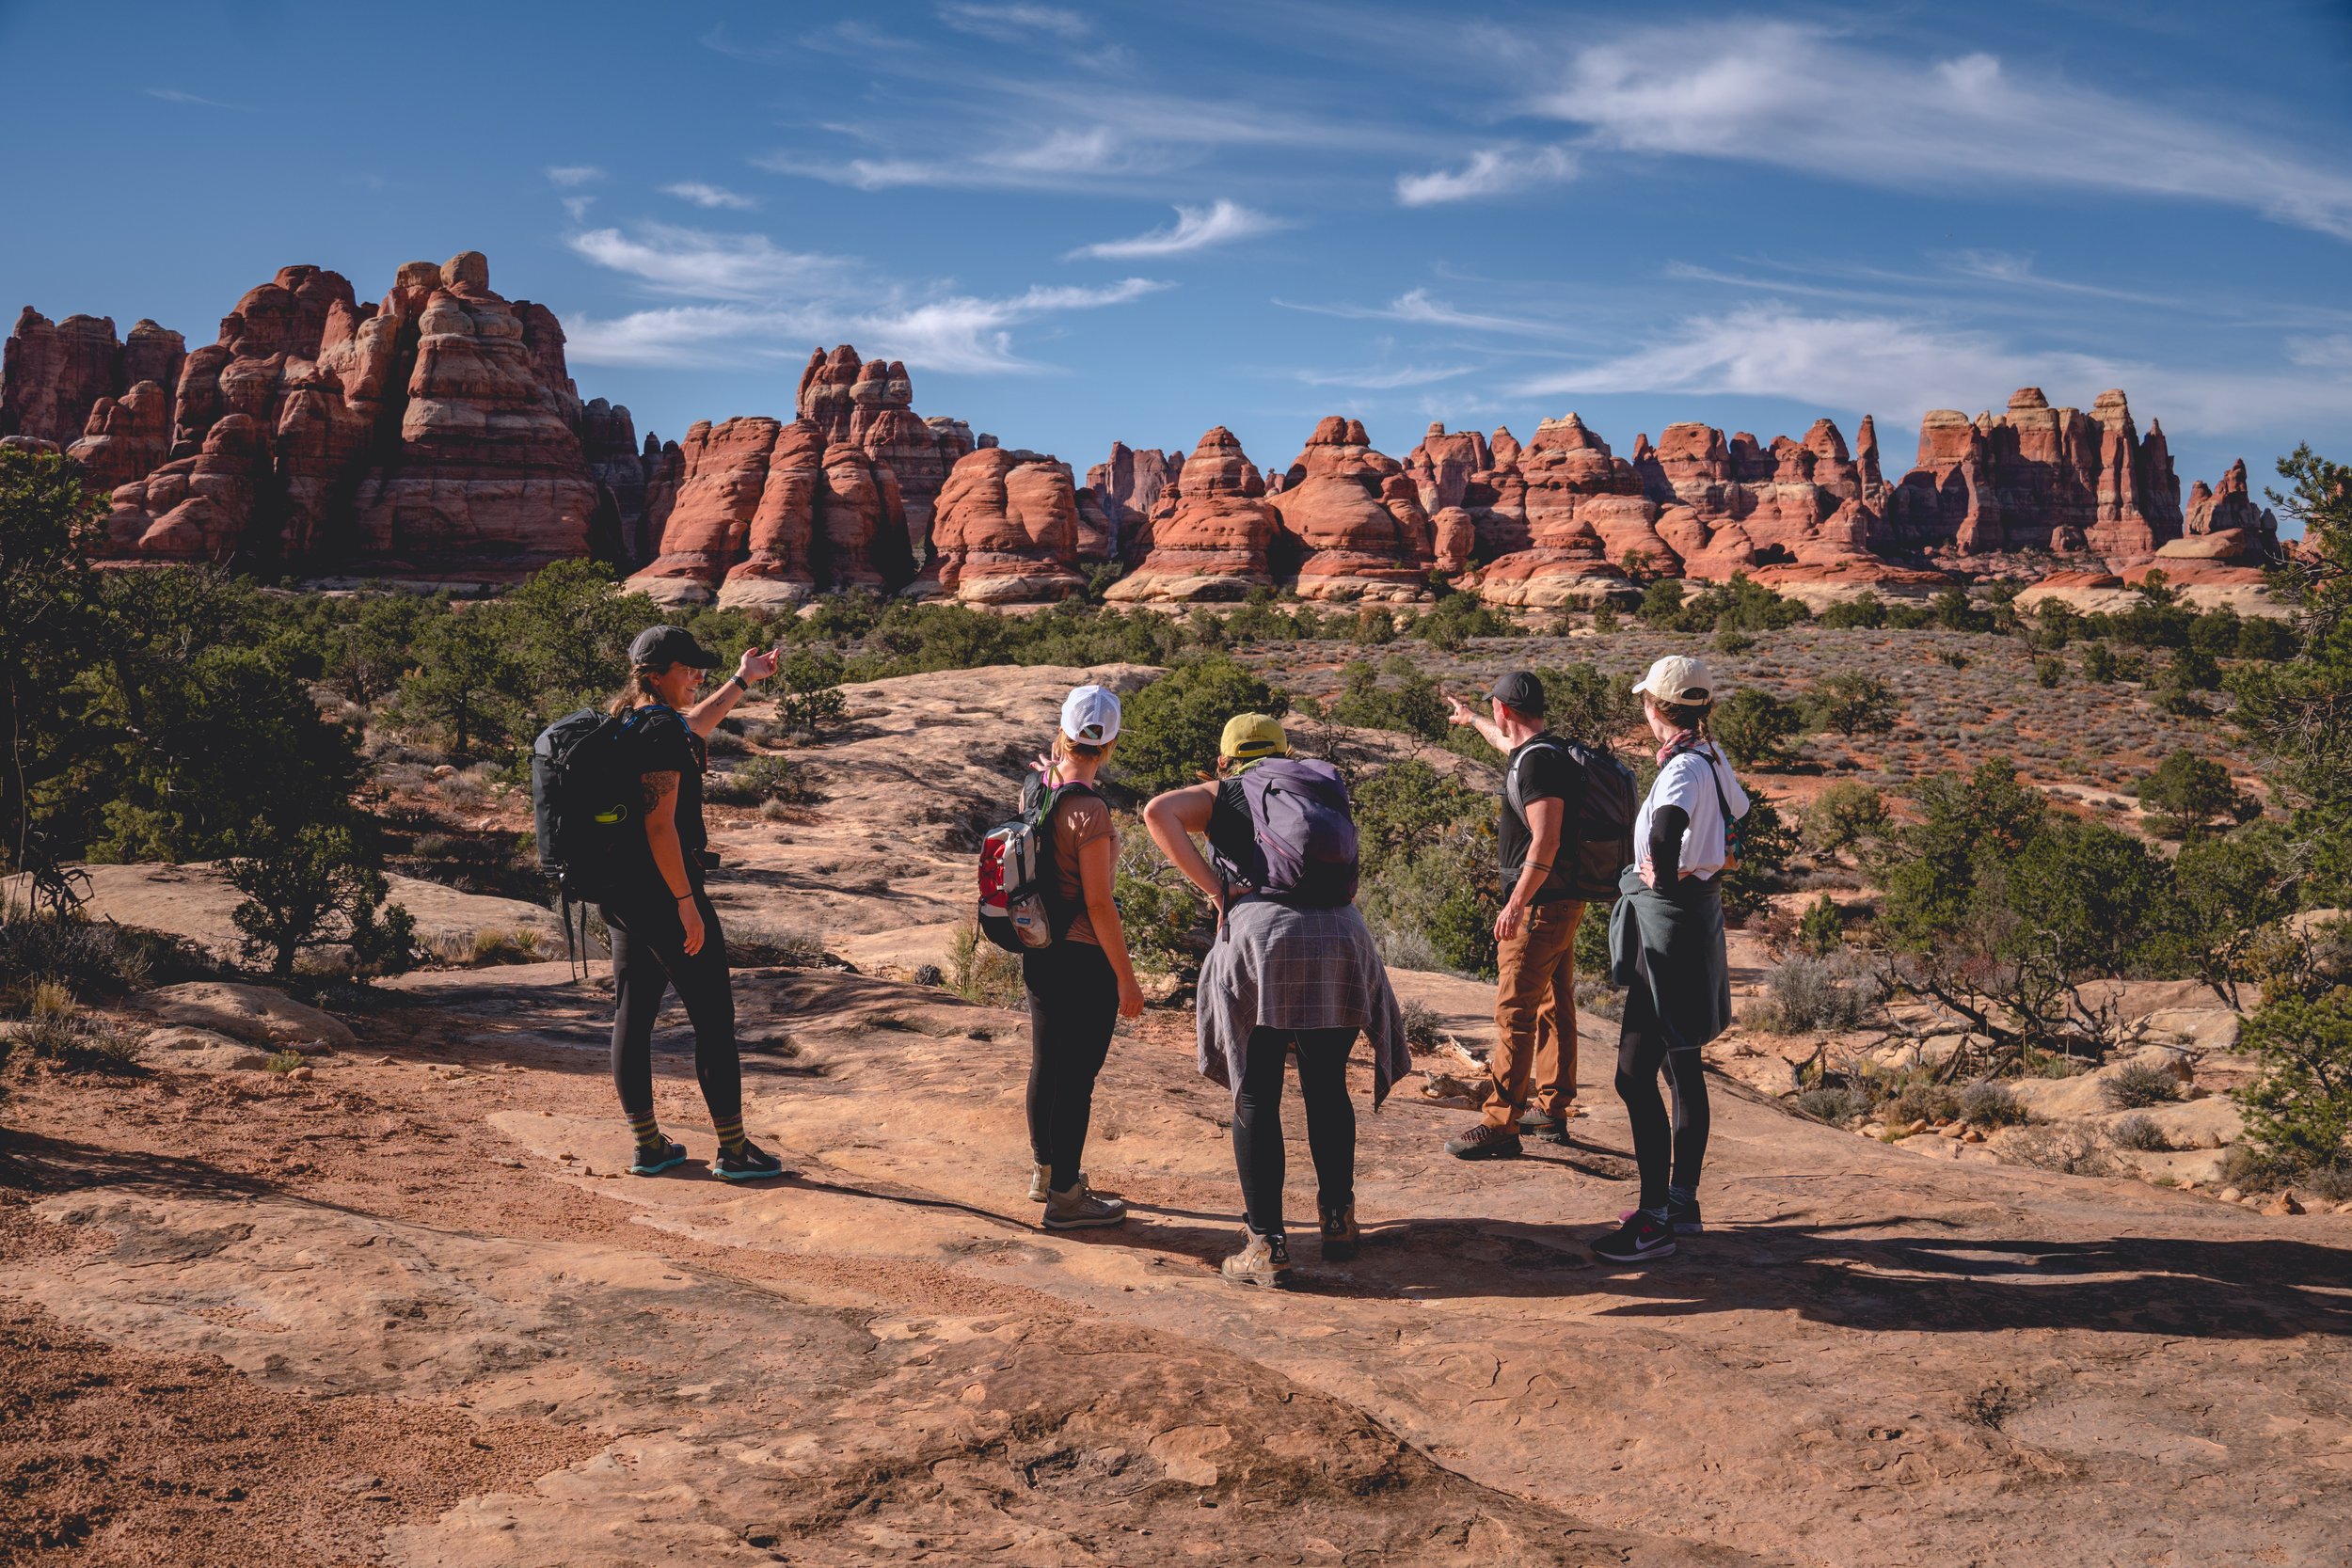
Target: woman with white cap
{"points": [[1084, 983], [1666, 946]]}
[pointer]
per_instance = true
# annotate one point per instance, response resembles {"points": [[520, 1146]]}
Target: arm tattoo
{"points": [[658, 787]]}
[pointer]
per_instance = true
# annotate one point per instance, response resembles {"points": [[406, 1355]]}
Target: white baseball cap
{"points": [[1677, 678], [1090, 716]]}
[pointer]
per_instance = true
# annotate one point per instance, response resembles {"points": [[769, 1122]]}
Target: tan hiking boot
{"points": [[1341, 1235], [1078, 1207], [1262, 1260], [1041, 1182]]}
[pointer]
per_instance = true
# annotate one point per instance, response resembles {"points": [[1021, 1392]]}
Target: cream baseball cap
{"points": [[1677, 678]]}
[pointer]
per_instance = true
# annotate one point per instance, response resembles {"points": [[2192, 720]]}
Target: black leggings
{"points": [[1665, 1157], [648, 956], [1073, 1007], [1331, 1121]]}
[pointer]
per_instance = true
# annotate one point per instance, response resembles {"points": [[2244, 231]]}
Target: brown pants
{"points": [[1535, 1052]]}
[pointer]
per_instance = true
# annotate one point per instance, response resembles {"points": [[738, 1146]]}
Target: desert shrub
{"points": [[1731, 639], [2134, 1085], [764, 947], [1404, 805], [979, 971], [1163, 914], [1822, 929], [2099, 662], [471, 682], [1807, 993], [56, 1030], [1843, 816], [1582, 702], [1767, 845], [2048, 672], [1459, 617], [1592, 943], [2259, 1168], [2301, 1108], [1919, 1098], [762, 779], [1443, 893], [314, 887], [1833, 1103], [1906, 617], [1424, 1028], [504, 945], [1604, 618], [2139, 1133], [1742, 605], [1988, 1103], [2071, 1150], [1410, 703], [1852, 704], [85, 957], [2189, 794], [1755, 726], [282, 1061], [1865, 611], [1171, 728]]}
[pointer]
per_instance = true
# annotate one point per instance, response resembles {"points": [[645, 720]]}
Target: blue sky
{"points": [[1081, 223]]}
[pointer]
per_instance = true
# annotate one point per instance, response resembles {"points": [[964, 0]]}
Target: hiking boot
{"points": [[1536, 1124], [1341, 1235], [656, 1157], [1484, 1142], [1041, 1182], [1262, 1260], [1078, 1207], [1637, 1241], [1682, 1217], [746, 1163]]}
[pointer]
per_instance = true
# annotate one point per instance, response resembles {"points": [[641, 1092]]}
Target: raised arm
{"points": [[1172, 819], [756, 664], [1461, 712]]}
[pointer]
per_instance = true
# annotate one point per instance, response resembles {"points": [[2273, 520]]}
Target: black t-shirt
{"points": [[1546, 773], [1232, 839], [660, 742]]}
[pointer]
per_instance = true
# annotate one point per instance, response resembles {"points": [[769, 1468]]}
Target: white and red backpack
{"points": [[1020, 910]]}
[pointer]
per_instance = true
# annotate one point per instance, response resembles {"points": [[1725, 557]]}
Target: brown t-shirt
{"points": [[1078, 822]]}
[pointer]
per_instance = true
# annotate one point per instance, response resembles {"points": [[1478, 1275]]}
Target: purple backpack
{"points": [[1302, 845]]}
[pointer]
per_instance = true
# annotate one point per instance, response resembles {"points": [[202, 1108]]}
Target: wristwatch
{"points": [[737, 679]]}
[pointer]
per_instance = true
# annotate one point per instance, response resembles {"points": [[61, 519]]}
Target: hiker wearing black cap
{"points": [[1530, 1073], [664, 932]]}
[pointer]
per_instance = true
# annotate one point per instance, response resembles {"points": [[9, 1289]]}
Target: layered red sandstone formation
{"points": [[870, 404], [1209, 536], [54, 375], [431, 431], [1012, 528], [766, 515], [2225, 537], [1349, 521], [1127, 485]]}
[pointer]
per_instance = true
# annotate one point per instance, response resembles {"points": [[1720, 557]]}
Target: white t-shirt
{"points": [[1683, 782]]}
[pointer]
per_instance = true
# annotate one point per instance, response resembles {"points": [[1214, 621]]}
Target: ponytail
{"points": [[637, 691], [1078, 751]]}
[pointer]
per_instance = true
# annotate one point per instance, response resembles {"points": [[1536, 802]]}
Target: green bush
{"points": [[1844, 815], [763, 778], [1989, 1103], [315, 886], [2139, 1133], [1582, 702], [2048, 673], [981, 971], [85, 957], [2136, 1084], [1171, 728], [1852, 704], [1865, 611], [1805, 992], [2189, 794], [1823, 931], [1755, 726], [1163, 914], [2300, 1109], [1411, 704]]}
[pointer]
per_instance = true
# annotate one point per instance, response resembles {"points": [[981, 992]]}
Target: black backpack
{"points": [[1598, 845], [585, 798]]}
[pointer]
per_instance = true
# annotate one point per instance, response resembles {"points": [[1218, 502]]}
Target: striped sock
{"points": [[731, 1138], [647, 1130]]}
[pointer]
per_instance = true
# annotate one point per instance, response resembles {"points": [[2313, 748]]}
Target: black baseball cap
{"points": [[1521, 692], [659, 647]]}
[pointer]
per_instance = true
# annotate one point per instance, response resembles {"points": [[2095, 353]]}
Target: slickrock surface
{"points": [[406, 1309]]}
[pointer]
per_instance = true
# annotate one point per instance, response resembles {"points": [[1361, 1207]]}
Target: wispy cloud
{"points": [[1416, 307], [571, 176], [1899, 367], [702, 195], [1016, 22], [755, 301], [696, 263], [576, 207], [1752, 91], [1385, 379], [174, 95], [2331, 352], [1196, 228], [1491, 171]]}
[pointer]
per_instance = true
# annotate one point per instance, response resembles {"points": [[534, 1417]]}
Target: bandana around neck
{"points": [[1681, 740]]}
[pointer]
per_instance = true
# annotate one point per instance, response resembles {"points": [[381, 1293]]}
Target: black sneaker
{"points": [[750, 1163], [658, 1156], [1637, 1241], [1683, 1217], [1483, 1142]]}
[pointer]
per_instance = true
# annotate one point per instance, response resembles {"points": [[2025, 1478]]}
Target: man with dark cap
{"points": [[1535, 1050], [664, 932]]}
